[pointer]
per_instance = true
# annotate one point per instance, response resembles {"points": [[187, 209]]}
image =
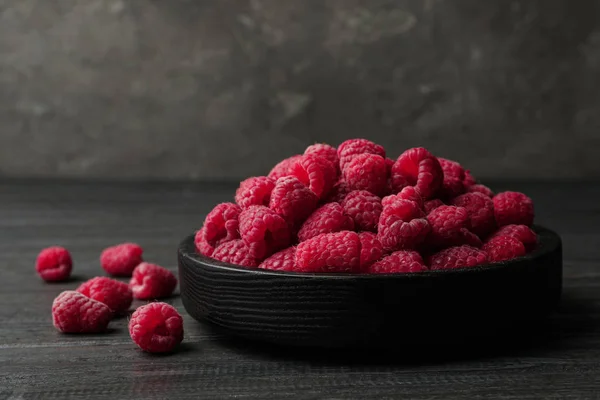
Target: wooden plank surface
{"points": [[36, 361]]}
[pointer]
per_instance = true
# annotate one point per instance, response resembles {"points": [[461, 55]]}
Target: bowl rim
{"points": [[548, 241]]}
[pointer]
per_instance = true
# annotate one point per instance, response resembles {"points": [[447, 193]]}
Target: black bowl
{"points": [[346, 310]]}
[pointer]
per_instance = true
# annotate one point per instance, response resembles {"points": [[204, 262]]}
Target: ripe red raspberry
{"points": [[502, 248], [481, 189], [389, 187], [325, 151], [353, 147], [371, 250], [292, 200], [235, 252], [283, 168], [431, 205], [481, 212], [513, 208], [220, 225], [469, 179], [317, 173], [454, 175], [339, 192], [151, 281], [54, 264], [364, 208], [448, 226], [264, 231], [156, 327], [255, 191], [402, 226], [366, 172], [457, 257], [330, 252], [115, 294], [408, 193], [329, 218], [417, 167], [121, 259], [72, 312], [285, 260], [399, 262], [522, 233]]}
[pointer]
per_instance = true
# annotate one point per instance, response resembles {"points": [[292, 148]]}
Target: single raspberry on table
{"points": [[481, 189], [330, 252], [371, 249], [317, 173], [522, 233], [292, 200], [503, 248], [264, 231], [448, 226], [353, 147], [366, 172], [151, 281], [283, 168], [399, 262], [513, 208], [408, 193], [469, 179], [339, 192], [328, 218], [156, 327], [235, 252], [115, 294], [220, 225], [121, 259], [418, 167], [431, 205], [284, 260], [457, 257], [72, 312], [54, 264], [325, 151], [254, 191], [454, 175], [364, 208], [481, 212], [402, 225]]}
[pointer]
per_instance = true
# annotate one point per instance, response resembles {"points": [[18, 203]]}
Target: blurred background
{"points": [[199, 89]]}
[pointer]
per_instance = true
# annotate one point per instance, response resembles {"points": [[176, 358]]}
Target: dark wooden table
{"points": [[561, 361]]}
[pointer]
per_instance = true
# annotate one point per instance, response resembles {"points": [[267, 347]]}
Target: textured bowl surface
{"points": [[346, 310]]}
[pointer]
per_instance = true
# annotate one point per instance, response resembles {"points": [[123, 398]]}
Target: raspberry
{"points": [[285, 260], [399, 262], [315, 172], [120, 260], [151, 281], [254, 191], [402, 225], [235, 252], [513, 208], [263, 230], [448, 226], [371, 249], [364, 208], [339, 192], [481, 189], [54, 264], [389, 189], [156, 327], [366, 172], [431, 205], [115, 294], [457, 257], [329, 218], [454, 174], [522, 233], [220, 225], [292, 200], [325, 151], [408, 193], [353, 147], [481, 212], [502, 248], [72, 312], [330, 252], [417, 167], [283, 168], [469, 179]]}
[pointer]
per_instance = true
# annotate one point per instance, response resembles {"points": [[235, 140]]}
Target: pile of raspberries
{"points": [[353, 210]]}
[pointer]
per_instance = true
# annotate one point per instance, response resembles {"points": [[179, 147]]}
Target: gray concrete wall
{"points": [[225, 88]]}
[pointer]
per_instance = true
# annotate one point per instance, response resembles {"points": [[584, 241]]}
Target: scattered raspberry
{"points": [[469, 179], [317, 173], [448, 226], [292, 200], [402, 226], [481, 189], [353, 147], [285, 260], [417, 167], [151, 281], [481, 212], [366, 172], [156, 327], [522, 233], [408, 193], [339, 192], [502, 248], [120, 260], [364, 208], [283, 168], [457, 257], [371, 249], [329, 218], [220, 225], [454, 175], [324, 151], [54, 264], [235, 252], [399, 262], [72, 312], [330, 252], [264, 231], [255, 191], [115, 294], [431, 205], [513, 208]]}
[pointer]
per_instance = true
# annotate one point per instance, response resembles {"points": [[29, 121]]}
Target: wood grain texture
{"points": [[561, 361]]}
